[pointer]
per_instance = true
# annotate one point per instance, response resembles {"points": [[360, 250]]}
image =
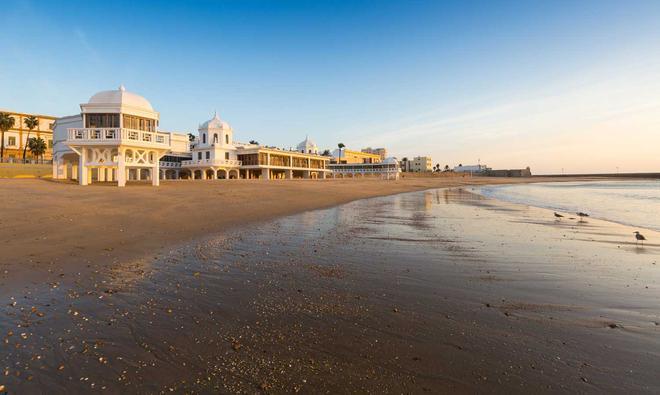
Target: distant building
{"points": [[471, 168], [16, 137], [419, 164], [388, 169], [526, 172], [382, 152], [347, 156]]}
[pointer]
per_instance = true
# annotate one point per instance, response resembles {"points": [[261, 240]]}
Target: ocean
{"points": [[630, 202]]}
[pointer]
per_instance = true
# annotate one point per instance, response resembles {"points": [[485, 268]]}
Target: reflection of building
{"points": [[16, 137], [382, 152], [418, 164], [348, 156], [116, 138], [388, 169]]}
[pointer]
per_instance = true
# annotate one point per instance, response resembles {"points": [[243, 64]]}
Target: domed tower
{"points": [[115, 138], [307, 146], [215, 133]]}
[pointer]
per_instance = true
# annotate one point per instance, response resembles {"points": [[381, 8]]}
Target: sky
{"points": [[570, 86]]}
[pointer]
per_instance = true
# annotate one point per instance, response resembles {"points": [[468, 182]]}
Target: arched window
{"points": [[215, 137], [203, 138], [226, 139]]}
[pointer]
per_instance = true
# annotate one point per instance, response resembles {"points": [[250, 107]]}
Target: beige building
{"points": [[16, 137], [346, 156], [382, 152], [419, 164]]}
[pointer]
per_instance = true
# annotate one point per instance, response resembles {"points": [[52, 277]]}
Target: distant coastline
{"points": [[603, 175]]}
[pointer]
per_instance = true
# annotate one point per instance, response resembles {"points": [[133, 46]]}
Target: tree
{"points": [[37, 147], [437, 167], [341, 146], [191, 137], [6, 123], [446, 167], [31, 123], [255, 142]]}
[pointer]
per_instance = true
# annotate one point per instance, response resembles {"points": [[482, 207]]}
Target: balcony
{"points": [[117, 136], [170, 165], [211, 162]]}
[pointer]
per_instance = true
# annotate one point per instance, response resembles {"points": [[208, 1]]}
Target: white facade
{"points": [[115, 138], [307, 146], [418, 164], [388, 169]]}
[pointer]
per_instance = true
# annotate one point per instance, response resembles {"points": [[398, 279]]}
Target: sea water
{"points": [[629, 202]]}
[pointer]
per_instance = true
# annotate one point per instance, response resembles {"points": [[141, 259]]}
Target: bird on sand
{"points": [[639, 237], [582, 215], [558, 215]]}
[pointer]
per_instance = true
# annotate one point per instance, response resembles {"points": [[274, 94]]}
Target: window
{"points": [[103, 121], [11, 140], [227, 155], [203, 138], [208, 154], [226, 139], [215, 138], [199, 156]]}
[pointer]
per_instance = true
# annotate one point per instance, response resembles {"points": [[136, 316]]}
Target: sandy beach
{"points": [[436, 290]]}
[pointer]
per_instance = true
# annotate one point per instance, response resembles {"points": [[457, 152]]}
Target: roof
{"points": [[215, 123], [121, 97]]}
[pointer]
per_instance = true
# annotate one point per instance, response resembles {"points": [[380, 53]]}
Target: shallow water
{"points": [[630, 202], [440, 291]]}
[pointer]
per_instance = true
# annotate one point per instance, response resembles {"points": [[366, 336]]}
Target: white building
{"points": [[116, 138], [307, 146], [388, 169]]}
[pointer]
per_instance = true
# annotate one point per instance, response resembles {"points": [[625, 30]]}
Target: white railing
{"points": [[118, 136], [211, 162], [369, 169]]}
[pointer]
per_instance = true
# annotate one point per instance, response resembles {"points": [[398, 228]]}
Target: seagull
{"points": [[639, 237], [582, 215], [558, 215]]}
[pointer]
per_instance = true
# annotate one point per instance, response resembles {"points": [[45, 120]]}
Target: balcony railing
{"points": [[118, 136], [211, 162], [170, 165]]}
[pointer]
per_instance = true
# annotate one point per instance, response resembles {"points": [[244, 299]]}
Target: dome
{"points": [[215, 123], [121, 97], [391, 161], [308, 146]]}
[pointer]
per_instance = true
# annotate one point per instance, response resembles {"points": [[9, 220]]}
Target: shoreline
{"points": [[59, 227]]}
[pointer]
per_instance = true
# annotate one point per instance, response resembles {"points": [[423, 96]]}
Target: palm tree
{"points": [[191, 137], [6, 123], [254, 142], [446, 167], [326, 153], [37, 147], [31, 123], [341, 147]]}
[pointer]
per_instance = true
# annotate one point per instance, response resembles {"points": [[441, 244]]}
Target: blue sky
{"points": [[560, 84]]}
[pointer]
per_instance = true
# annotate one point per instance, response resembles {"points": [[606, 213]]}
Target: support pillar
{"points": [[155, 175], [101, 173], [83, 177], [121, 169], [265, 173], [289, 174]]}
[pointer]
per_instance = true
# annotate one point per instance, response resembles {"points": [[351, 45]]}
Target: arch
{"points": [[215, 138], [222, 174], [197, 175], [203, 138], [314, 175], [145, 174], [152, 156], [210, 174], [233, 174]]}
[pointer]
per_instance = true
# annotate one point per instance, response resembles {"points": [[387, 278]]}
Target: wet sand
{"points": [[435, 291]]}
